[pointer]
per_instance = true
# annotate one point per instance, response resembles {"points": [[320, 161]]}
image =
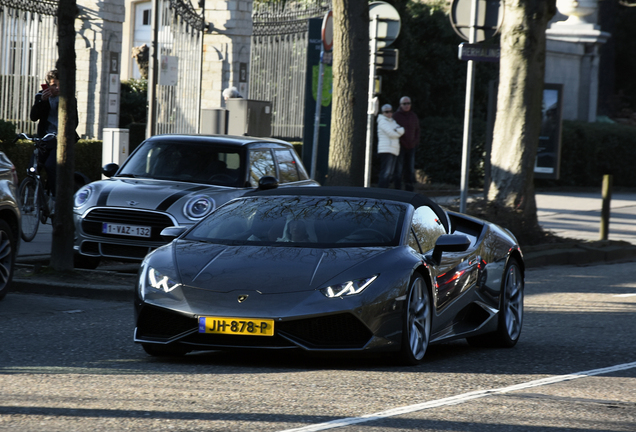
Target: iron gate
{"points": [[278, 64], [179, 35], [28, 49]]}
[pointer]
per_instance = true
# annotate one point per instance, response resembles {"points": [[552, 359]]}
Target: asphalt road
{"points": [[70, 365]]}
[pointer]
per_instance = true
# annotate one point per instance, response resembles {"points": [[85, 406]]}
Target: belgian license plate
{"points": [[127, 230], [236, 326]]}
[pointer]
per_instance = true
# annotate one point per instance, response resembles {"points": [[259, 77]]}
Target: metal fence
{"points": [[28, 49], [180, 53], [278, 64]]}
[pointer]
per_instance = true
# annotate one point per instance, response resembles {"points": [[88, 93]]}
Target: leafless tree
{"points": [[350, 87]]}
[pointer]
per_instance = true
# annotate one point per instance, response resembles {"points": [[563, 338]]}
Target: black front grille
{"points": [[92, 222], [156, 323], [330, 332], [333, 331]]}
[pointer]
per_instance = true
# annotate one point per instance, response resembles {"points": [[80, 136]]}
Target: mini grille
{"points": [[92, 222]]}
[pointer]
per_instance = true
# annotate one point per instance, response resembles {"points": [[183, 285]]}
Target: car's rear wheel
{"points": [[30, 209], [165, 350], [416, 333], [7, 257], [510, 311]]}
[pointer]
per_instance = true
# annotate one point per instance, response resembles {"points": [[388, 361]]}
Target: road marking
{"points": [[456, 400], [624, 295]]}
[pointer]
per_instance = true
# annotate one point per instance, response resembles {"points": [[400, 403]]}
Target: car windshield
{"points": [[303, 222], [186, 162]]}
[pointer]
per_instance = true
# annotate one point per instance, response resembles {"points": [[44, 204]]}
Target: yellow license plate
{"points": [[236, 326]]}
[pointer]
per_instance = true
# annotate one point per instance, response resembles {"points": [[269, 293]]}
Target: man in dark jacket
{"points": [[405, 165], [44, 111]]}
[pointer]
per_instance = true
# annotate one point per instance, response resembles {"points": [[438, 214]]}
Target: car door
{"points": [[457, 271]]}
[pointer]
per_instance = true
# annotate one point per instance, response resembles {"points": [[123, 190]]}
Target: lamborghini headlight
{"points": [[348, 288], [160, 281]]}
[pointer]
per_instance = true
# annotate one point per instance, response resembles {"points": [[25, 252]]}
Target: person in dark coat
{"points": [[405, 164], [45, 112]]}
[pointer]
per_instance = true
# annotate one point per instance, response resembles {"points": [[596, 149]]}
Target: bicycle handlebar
{"points": [[35, 140]]}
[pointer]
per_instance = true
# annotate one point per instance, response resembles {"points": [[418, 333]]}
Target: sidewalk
{"points": [[574, 215]]}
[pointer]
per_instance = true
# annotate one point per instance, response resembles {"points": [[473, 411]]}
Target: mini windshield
{"points": [[303, 221], [186, 162]]}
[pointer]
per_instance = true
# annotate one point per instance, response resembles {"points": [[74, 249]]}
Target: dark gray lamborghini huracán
{"points": [[331, 269]]}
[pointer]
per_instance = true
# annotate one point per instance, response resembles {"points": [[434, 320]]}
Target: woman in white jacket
{"points": [[389, 133]]}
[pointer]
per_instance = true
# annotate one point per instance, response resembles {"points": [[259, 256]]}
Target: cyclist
{"points": [[45, 111]]}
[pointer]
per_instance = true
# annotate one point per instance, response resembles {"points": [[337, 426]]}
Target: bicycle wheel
{"points": [[30, 208]]}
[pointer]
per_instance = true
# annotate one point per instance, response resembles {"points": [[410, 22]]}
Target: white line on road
{"points": [[455, 400], [625, 295]]}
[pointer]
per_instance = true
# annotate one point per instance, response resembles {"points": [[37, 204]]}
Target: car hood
{"points": [[156, 194], [269, 270]]}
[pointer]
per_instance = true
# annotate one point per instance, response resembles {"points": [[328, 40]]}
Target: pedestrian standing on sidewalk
{"points": [[405, 164], [389, 133]]}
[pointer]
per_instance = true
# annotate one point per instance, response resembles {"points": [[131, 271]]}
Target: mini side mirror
{"points": [[267, 182], [110, 169]]}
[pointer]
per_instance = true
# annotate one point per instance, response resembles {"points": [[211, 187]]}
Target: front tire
{"points": [[7, 257], [510, 311], [30, 208], [416, 333]]}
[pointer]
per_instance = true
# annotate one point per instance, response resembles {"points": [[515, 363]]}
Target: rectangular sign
{"points": [[479, 52]]}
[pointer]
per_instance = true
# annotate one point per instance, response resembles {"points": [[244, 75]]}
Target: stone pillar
{"points": [[226, 50], [572, 58], [98, 50]]}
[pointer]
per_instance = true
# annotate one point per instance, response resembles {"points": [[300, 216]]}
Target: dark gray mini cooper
{"points": [[173, 180]]}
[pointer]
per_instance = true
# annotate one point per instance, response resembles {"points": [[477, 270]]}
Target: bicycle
{"points": [[33, 194]]}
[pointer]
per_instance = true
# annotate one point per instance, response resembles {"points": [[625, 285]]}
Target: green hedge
{"points": [[88, 157], [439, 155], [590, 150]]}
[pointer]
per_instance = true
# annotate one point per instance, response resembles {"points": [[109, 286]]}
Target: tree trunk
{"points": [[63, 228], [350, 88], [520, 95]]}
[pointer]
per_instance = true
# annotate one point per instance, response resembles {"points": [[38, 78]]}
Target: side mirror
{"points": [[267, 182], [110, 169], [172, 232], [449, 243]]}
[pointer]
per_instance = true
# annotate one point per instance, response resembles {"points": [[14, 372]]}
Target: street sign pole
{"points": [[371, 100], [314, 148], [327, 44], [468, 112]]}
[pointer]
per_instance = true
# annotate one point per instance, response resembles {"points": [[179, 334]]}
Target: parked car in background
{"points": [[173, 180], [9, 223], [331, 269]]}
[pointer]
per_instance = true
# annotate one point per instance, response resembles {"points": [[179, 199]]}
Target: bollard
{"points": [[605, 211]]}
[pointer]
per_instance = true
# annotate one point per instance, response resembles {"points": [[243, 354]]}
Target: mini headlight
{"points": [[82, 195], [198, 207], [160, 281], [348, 288]]}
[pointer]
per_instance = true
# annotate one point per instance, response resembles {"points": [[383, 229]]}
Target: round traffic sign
{"points": [[327, 31], [388, 25], [490, 15]]}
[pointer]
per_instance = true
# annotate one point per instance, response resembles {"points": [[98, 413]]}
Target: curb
{"points": [[598, 252], [95, 292]]}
